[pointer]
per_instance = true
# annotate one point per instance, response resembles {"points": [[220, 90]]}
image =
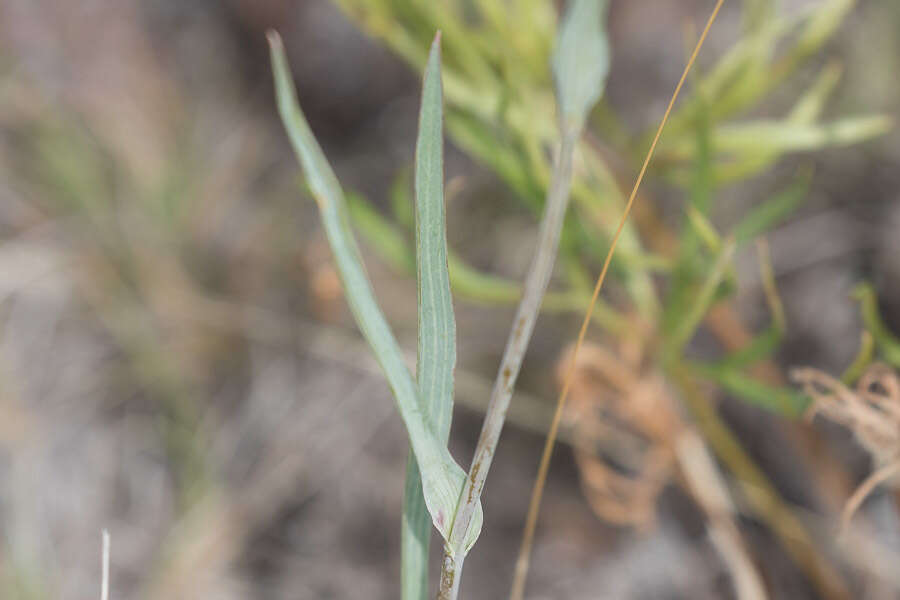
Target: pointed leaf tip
{"points": [[442, 477], [434, 53], [437, 328]]}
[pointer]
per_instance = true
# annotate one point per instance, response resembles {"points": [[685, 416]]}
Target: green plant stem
{"points": [[862, 360], [523, 325]]}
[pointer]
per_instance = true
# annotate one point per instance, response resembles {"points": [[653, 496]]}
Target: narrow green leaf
{"points": [[581, 61], [770, 138], [494, 148], [401, 199], [703, 229], [862, 360], [415, 536], [471, 283], [750, 70], [805, 112], [684, 330], [773, 211], [818, 29], [734, 80], [442, 478], [729, 369], [436, 324], [888, 344], [760, 347], [693, 263], [385, 239], [810, 105], [780, 400], [436, 353], [764, 344]]}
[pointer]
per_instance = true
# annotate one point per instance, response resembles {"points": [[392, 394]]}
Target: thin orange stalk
{"points": [[518, 587]]}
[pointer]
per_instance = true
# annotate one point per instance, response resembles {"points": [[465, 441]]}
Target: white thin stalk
{"points": [[451, 573], [711, 492], [104, 561], [520, 335]]}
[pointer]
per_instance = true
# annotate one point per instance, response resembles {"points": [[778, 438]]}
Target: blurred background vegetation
{"points": [[177, 364]]}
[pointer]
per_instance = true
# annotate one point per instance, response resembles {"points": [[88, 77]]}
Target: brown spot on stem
{"points": [[475, 468], [520, 325], [448, 574]]}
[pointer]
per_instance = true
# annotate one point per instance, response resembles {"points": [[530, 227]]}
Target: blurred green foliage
{"points": [[500, 111], [884, 341]]}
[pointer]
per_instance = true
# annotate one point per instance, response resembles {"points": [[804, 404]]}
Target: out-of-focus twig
{"points": [[706, 485], [760, 494]]}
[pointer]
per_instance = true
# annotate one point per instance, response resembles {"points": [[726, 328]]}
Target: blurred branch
{"points": [[761, 496]]}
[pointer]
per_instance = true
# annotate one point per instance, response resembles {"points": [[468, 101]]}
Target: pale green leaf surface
{"points": [[442, 478], [436, 352], [415, 535], [436, 324], [581, 61], [436, 356], [764, 137]]}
